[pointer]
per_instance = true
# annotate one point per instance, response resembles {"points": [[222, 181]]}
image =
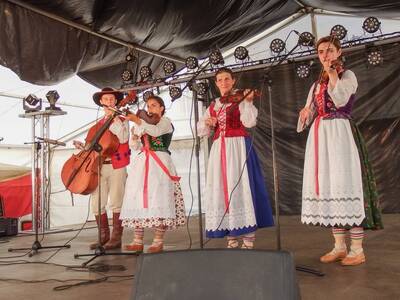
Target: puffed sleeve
{"points": [[120, 129], [162, 127], [202, 128], [344, 88], [248, 113]]}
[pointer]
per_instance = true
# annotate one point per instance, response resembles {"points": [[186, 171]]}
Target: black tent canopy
{"points": [[45, 42]]}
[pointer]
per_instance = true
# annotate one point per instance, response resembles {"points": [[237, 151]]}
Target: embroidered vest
{"points": [[120, 158], [159, 143], [229, 123], [327, 108]]}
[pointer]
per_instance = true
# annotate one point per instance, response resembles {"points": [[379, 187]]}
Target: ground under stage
{"points": [[378, 278]]}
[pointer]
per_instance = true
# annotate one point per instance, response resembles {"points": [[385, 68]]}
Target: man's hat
{"points": [[97, 96]]}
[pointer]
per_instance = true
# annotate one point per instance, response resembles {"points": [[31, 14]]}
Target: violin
{"points": [[238, 96], [148, 117], [80, 172], [335, 65]]}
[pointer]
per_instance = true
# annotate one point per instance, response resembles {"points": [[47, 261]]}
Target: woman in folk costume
{"points": [[333, 194], [153, 196], [236, 199]]}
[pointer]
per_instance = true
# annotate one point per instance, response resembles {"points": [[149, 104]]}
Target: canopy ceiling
{"points": [[45, 51]]}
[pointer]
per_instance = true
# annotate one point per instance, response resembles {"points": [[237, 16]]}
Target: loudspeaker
{"points": [[216, 274]]}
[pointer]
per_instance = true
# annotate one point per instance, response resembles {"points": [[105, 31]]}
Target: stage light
{"points": [[241, 53], [191, 62], [175, 92], [31, 103], [215, 57], [145, 72], [303, 70], [277, 46], [147, 95], [52, 97], [127, 75], [201, 88], [371, 24], [306, 39], [339, 32], [375, 57], [169, 67]]}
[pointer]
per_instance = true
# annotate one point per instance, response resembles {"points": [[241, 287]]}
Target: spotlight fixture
{"points": [[241, 53], [52, 97], [175, 92], [375, 57], [303, 70], [129, 58], [277, 46], [169, 67], [147, 95], [215, 57], [371, 24], [31, 103], [127, 75], [201, 88], [145, 72], [339, 32], [191, 62], [306, 39]]}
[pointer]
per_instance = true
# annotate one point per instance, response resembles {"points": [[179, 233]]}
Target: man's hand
{"points": [[78, 145]]}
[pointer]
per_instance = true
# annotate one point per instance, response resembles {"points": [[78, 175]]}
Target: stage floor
{"points": [[378, 278]]}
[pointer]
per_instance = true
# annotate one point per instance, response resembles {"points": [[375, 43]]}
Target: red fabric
{"points": [[17, 196], [224, 173], [121, 158], [234, 126]]}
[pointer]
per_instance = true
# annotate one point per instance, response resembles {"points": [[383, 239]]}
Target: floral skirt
{"points": [[168, 223]]}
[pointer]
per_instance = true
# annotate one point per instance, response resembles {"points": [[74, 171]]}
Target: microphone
{"points": [[50, 141]]}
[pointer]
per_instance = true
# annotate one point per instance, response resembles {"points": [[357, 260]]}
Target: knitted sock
{"points": [[248, 240], [339, 234], [357, 236], [138, 237], [232, 242], [159, 236]]}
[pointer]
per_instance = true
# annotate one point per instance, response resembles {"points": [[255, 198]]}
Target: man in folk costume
{"points": [[113, 173], [338, 191], [153, 197], [236, 198]]}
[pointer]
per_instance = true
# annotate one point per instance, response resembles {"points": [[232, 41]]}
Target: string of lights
{"points": [[303, 59]]}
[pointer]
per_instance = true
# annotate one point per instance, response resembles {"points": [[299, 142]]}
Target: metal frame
{"points": [[40, 161]]}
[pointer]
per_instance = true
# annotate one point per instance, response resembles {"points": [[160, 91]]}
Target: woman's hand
{"points": [[304, 114], [211, 122], [249, 95]]}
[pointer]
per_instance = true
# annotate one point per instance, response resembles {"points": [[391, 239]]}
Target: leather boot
{"points": [[115, 241], [104, 231]]}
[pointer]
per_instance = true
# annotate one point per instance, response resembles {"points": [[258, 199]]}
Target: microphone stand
{"points": [[268, 81], [95, 146]]}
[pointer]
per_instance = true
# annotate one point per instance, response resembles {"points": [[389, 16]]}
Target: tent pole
{"points": [[92, 32]]}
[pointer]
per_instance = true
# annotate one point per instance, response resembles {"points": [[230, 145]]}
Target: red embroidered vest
{"points": [[229, 123]]}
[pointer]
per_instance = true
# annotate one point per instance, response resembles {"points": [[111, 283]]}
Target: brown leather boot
{"points": [[104, 231], [115, 241]]}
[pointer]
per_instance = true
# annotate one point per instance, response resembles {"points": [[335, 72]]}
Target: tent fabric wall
{"points": [[44, 51]]}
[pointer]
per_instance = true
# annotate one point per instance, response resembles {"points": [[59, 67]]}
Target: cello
{"points": [[80, 172]]}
